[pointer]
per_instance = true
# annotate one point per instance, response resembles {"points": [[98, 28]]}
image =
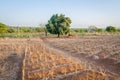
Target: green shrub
{"points": [[3, 28], [110, 29]]}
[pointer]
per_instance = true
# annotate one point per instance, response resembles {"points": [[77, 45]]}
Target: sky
{"points": [[83, 13]]}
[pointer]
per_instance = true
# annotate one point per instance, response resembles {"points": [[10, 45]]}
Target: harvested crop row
{"points": [[45, 63]]}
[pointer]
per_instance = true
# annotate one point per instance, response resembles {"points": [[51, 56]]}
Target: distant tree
{"points": [[76, 30], [118, 30], [85, 30], [110, 29], [39, 29], [79, 30], [11, 30], [3, 28], [26, 29], [92, 29], [99, 30], [58, 24]]}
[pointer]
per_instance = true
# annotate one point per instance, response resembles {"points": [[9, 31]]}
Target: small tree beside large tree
{"points": [[58, 24]]}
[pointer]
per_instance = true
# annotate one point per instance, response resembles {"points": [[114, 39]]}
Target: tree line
{"points": [[14, 29], [60, 25], [57, 24]]}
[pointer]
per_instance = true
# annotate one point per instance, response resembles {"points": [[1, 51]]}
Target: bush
{"points": [[3, 28], [39, 29], [11, 30], [110, 29], [118, 30], [25, 29], [99, 30]]}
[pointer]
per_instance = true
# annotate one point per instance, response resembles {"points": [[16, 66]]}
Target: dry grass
{"points": [[104, 47], [42, 62], [22, 59]]}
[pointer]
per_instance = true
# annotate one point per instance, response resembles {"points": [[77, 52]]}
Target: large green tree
{"points": [[3, 28], [110, 29], [58, 24]]}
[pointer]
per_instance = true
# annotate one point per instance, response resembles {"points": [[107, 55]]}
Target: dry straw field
{"points": [[60, 59]]}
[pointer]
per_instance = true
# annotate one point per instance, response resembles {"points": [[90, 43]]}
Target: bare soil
{"points": [[106, 64], [10, 68], [11, 63]]}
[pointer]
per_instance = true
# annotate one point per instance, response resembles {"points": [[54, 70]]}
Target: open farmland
{"points": [[102, 51], [11, 56], [33, 59], [44, 63]]}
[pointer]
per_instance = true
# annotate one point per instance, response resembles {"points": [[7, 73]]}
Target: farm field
{"points": [[11, 56], [60, 58], [102, 51], [59, 40]]}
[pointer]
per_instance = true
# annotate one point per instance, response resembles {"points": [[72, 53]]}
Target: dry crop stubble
{"points": [[45, 63]]}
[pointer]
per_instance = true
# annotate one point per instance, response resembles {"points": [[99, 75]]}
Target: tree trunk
{"points": [[45, 33], [58, 35], [45, 30]]}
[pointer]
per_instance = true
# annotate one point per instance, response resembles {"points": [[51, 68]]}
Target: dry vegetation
{"points": [[24, 59], [11, 55], [104, 50], [42, 62]]}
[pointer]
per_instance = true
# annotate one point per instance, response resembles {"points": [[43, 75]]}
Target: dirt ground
{"points": [[105, 64], [10, 67], [11, 62], [11, 56]]}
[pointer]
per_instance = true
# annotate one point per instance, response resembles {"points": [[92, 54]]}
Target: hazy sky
{"points": [[83, 13]]}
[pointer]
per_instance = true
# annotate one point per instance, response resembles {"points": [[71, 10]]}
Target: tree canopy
{"points": [[58, 24], [110, 29], [3, 28]]}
